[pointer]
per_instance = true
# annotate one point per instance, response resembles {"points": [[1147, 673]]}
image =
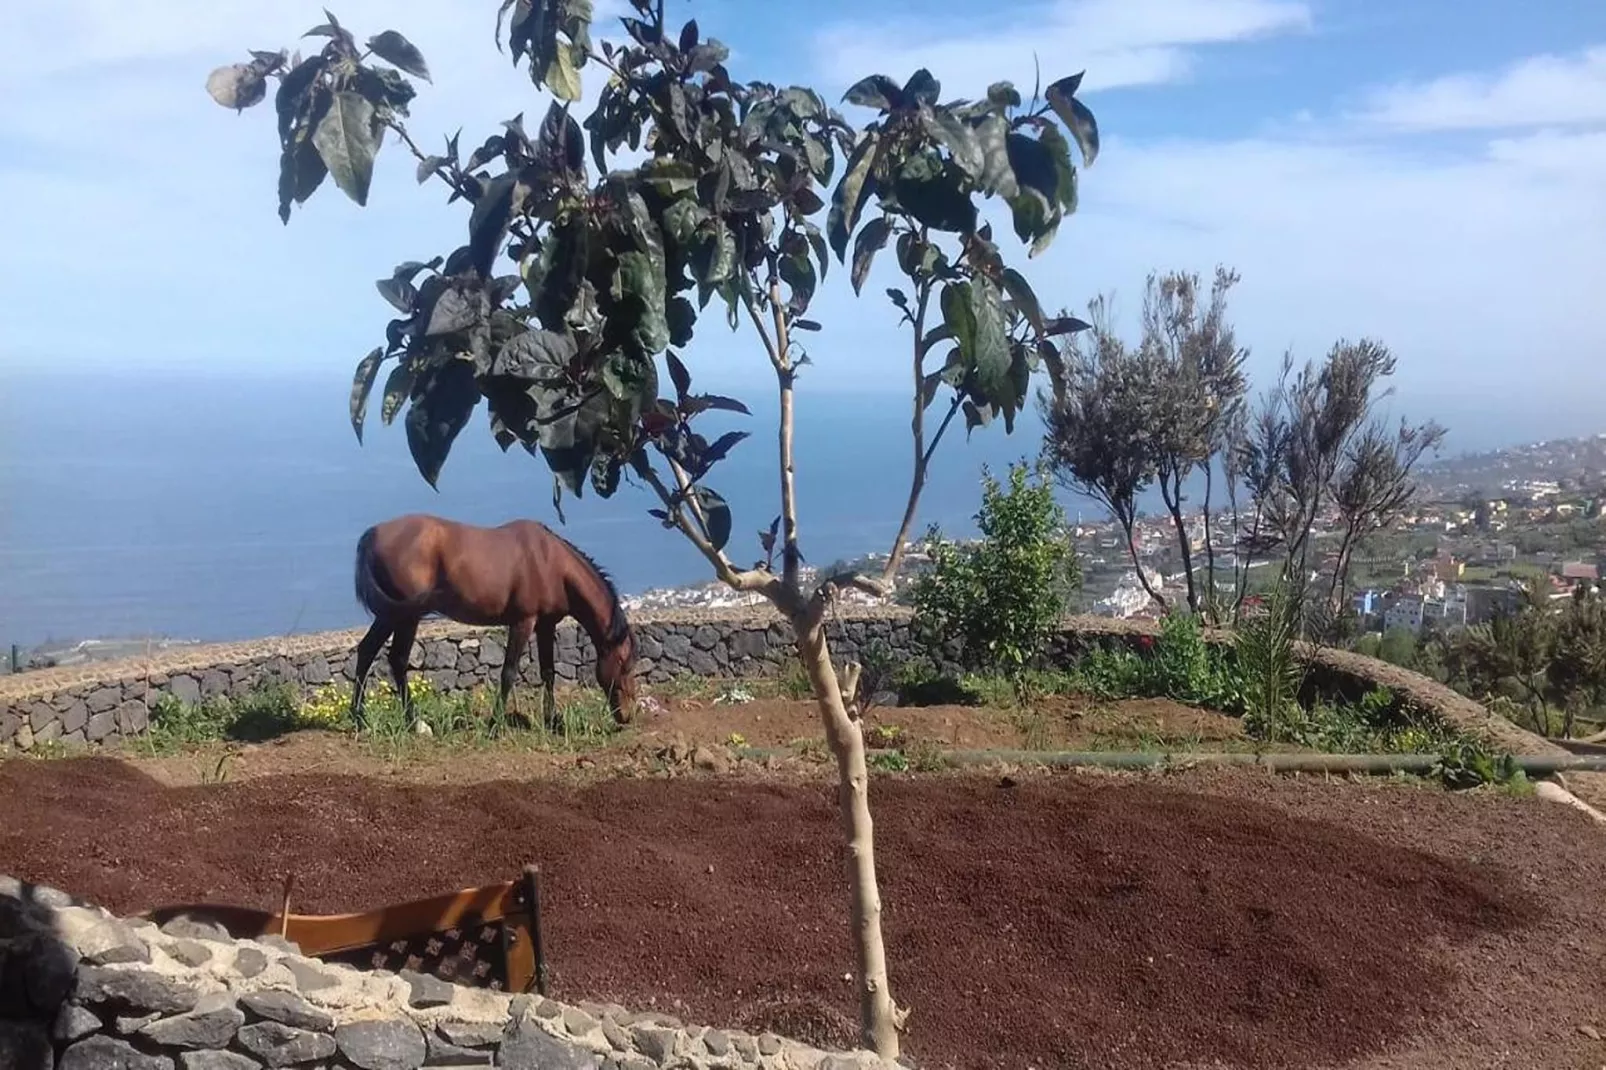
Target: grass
{"points": [[461, 719]]}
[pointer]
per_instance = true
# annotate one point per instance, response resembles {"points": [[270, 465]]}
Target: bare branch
{"points": [[760, 581]]}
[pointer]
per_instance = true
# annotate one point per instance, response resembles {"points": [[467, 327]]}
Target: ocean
{"points": [[140, 504]]}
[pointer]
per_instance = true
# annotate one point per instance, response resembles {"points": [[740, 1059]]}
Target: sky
{"points": [[1431, 173]]}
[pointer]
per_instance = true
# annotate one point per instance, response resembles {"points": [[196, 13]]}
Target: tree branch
{"points": [[746, 580], [781, 358]]}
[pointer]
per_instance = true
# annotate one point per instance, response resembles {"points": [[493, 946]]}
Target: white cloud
{"points": [[1547, 90], [1118, 42]]}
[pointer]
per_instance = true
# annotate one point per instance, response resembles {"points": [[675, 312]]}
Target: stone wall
{"points": [[83, 990], [100, 702]]}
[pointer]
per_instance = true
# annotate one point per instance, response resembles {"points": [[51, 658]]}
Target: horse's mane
{"points": [[618, 626]]}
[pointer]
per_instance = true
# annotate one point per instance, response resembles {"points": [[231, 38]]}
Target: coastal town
{"points": [[1481, 527]]}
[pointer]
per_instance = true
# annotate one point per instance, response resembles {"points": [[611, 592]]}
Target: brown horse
{"points": [[520, 574]]}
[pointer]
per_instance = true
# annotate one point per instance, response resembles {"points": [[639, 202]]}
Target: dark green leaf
{"points": [[605, 475], [626, 377], [707, 56], [851, 193], [288, 100], [928, 389], [399, 292], [958, 138], [641, 282], [871, 240], [989, 346], [959, 316], [488, 223], [682, 219], [362, 384], [301, 172], [997, 176], [934, 193], [347, 139], [1065, 325], [876, 91], [1025, 298], [453, 311], [1003, 95], [1033, 164], [1031, 214], [678, 375], [439, 413], [681, 316], [798, 274], [1059, 152], [560, 139], [396, 50], [721, 446], [717, 516], [397, 387], [921, 88], [428, 166], [817, 243], [1075, 115], [688, 36], [703, 402], [805, 325]]}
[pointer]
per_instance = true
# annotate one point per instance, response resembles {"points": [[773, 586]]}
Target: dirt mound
{"points": [[1060, 921]]}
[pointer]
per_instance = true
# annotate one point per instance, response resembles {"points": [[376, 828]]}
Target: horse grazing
{"points": [[521, 574]]}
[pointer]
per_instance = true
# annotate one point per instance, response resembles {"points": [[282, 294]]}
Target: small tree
{"points": [[1003, 596], [1372, 489], [562, 343]]}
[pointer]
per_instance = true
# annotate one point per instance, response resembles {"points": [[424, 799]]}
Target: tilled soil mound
{"points": [[1056, 922]]}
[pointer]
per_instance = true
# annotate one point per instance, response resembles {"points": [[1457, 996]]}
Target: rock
{"points": [[24, 1046], [837, 1062], [286, 1008], [1589, 1031], [526, 1046], [284, 1045], [279, 943], [655, 1043], [142, 991], [705, 637], [310, 978], [9, 722], [316, 672], [40, 715], [190, 952], [578, 1022], [745, 1046], [185, 927], [214, 684], [100, 726], [248, 962], [470, 1034], [102, 699], [441, 1053], [212, 1024], [24, 737], [710, 760], [617, 1038], [427, 989], [48, 971], [129, 1024], [717, 1042], [133, 718], [111, 942], [109, 1053], [216, 1060], [769, 1044], [677, 647], [74, 1023], [386, 1044], [186, 689], [888, 699], [702, 663]]}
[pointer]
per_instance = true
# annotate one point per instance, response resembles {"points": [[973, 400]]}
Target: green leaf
{"points": [[996, 176], [605, 475], [959, 316], [989, 349], [921, 88], [681, 317], [871, 240], [1003, 95], [396, 50], [1059, 151], [958, 138], [848, 199], [682, 219], [678, 375], [362, 384], [1025, 298], [488, 222], [347, 138], [439, 413], [453, 311], [1076, 116], [641, 283], [626, 377], [876, 91], [301, 172], [797, 271], [1033, 165], [933, 192], [397, 387], [817, 243], [716, 514], [562, 77], [1031, 214]]}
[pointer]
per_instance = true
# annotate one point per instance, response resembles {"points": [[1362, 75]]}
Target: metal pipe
{"points": [[1531, 764]]}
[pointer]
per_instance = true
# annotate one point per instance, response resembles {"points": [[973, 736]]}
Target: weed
{"points": [[889, 761]]}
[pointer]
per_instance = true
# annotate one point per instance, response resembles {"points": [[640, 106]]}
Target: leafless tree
{"points": [[1373, 488]]}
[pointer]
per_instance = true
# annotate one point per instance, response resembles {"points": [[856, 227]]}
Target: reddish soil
{"points": [[1197, 920]]}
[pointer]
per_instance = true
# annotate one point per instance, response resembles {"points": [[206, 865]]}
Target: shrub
{"points": [[1002, 597]]}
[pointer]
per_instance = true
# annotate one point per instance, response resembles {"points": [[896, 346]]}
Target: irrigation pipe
{"points": [[1532, 765]]}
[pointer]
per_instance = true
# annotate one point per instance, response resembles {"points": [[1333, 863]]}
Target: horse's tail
{"points": [[374, 590]]}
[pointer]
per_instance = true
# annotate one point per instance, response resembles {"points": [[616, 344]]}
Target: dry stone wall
{"points": [[106, 701], [81, 989]]}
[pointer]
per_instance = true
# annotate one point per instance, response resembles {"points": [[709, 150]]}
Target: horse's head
{"points": [[616, 673]]}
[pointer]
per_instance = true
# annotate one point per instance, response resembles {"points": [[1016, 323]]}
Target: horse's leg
{"points": [[367, 651], [518, 638], [546, 639], [401, 650]]}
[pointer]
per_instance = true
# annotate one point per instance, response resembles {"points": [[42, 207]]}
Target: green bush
{"points": [[1003, 596]]}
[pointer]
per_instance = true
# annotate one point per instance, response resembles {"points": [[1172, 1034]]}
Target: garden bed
{"points": [[1048, 920]]}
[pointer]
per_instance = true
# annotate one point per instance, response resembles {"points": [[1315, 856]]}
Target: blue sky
{"points": [[1431, 173]]}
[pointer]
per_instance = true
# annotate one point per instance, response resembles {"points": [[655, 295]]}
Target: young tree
{"points": [[1373, 488], [1198, 383], [562, 344], [1098, 418]]}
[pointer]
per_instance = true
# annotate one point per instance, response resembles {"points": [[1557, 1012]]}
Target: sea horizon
{"points": [[225, 507]]}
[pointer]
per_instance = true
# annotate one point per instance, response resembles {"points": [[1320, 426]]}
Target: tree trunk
{"points": [[1210, 548], [1173, 504], [878, 1017], [1132, 551]]}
